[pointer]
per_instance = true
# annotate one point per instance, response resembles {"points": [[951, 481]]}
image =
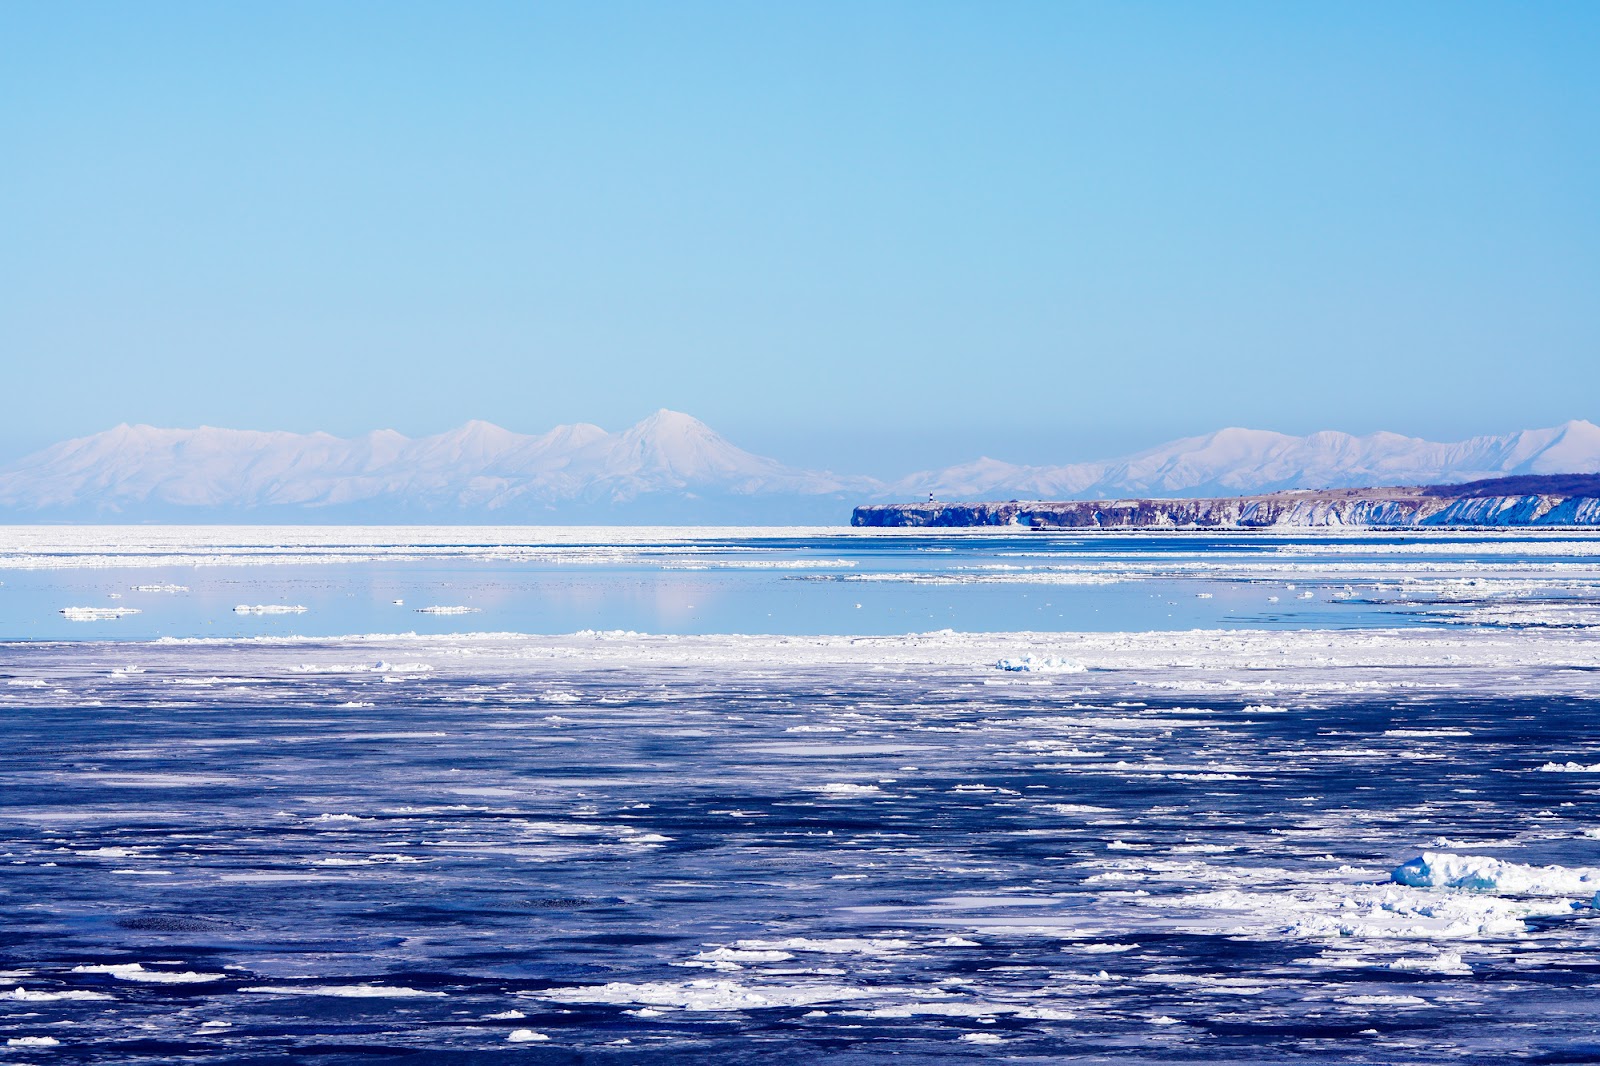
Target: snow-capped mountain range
{"points": [[667, 467], [1238, 461], [671, 467]]}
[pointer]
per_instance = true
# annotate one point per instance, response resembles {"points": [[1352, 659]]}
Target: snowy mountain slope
{"points": [[479, 467], [1235, 461], [673, 467]]}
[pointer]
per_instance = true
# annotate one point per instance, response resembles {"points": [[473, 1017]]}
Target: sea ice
{"points": [[706, 994], [1478, 873], [735, 958], [133, 971], [1448, 962], [1041, 665], [830, 945], [844, 788], [96, 614], [358, 991], [22, 994]]}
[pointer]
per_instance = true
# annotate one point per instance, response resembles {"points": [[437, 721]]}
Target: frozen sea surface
{"points": [[138, 583], [610, 847], [1188, 814]]}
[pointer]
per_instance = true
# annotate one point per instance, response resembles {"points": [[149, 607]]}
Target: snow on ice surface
{"points": [[24, 995], [1040, 664], [96, 614], [97, 546], [356, 991], [1478, 873], [712, 846], [133, 971], [795, 581], [708, 995]]}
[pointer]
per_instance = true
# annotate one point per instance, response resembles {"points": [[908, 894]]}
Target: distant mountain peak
{"points": [[673, 464], [477, 468], [665, 417], [1236, 460]]}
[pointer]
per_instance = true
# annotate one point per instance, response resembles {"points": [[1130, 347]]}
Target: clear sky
{"points": [[876, 236]]}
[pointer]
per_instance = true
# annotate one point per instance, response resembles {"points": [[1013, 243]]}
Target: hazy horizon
{"points": [[884, 237], [800, 463]]}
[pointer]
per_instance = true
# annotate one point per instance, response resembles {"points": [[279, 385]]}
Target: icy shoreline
{"points": [[1306, 664]]}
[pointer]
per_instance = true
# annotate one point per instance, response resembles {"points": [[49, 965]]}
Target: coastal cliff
{"points": [[1536, 500]]}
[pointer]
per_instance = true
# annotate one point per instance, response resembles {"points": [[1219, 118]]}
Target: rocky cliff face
{"points": [[1578, 504]]}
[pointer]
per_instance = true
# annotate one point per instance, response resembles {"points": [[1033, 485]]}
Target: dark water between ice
{"points": [[870, 867]]}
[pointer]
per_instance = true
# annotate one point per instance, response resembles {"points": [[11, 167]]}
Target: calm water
{"points": [[825, 582]]}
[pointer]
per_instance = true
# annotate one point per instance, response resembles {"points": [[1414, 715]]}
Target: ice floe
{"points": [[1036, 664], [845, 788], [24, 995], [96, 614], [133, 971], [525, 1036], [708, 994], [356, 991], [1478, 873]]}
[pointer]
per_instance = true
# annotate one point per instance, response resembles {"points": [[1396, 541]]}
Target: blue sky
{"points": [[874, 236]]}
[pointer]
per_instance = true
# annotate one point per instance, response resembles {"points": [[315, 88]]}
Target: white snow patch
{"points": [[844, 788], [133, 971], [358, 991], [706, 994], [23, 995], [1041, 665], [831, 945], [1479, 873], [96, 614], [1384, 1001], [1445, 962]]}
